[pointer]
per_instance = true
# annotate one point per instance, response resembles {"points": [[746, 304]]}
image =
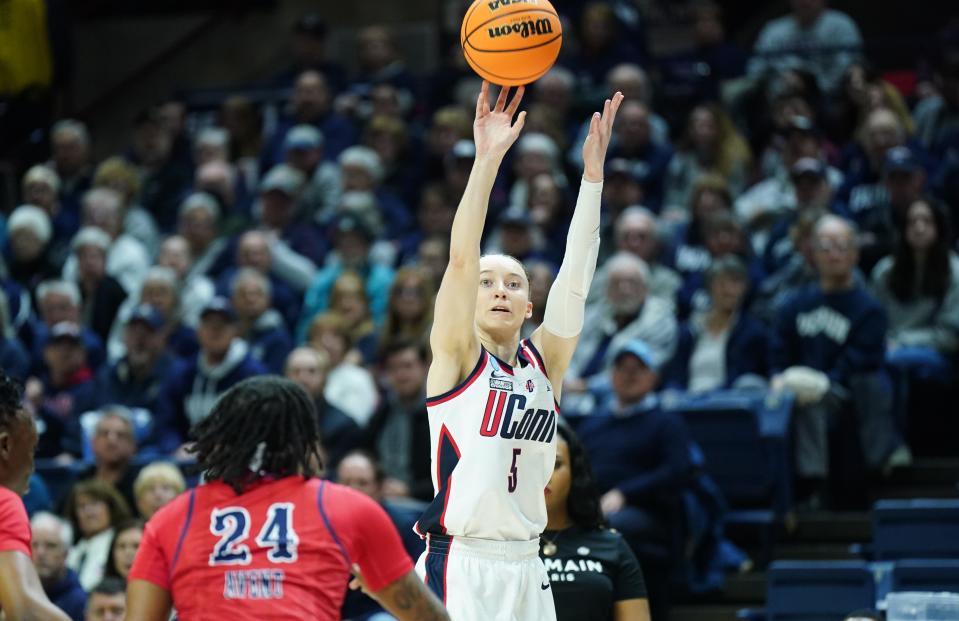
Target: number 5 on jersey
{"points": [[512, 479], [232, 526]]}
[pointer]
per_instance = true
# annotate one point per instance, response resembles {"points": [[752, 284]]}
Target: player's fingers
{"points": [[518, 125], [517, 97], [501, 100], [594, 123], [480, 99]]}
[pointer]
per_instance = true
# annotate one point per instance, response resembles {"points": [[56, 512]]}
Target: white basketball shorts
{"points": [[486, 580]]}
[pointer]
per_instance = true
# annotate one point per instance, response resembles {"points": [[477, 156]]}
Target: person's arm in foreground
{"points": [[21, 594]]}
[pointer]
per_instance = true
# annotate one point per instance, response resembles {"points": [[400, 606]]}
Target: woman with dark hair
{"points": [[94, 509], [123, 548], [918, 286], [593, 572], [723, 347], [265, 536]]}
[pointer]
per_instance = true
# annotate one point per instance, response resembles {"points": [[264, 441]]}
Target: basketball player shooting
{"points": [[496, 398]]}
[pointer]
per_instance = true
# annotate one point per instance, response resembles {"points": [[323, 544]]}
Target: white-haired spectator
{"points": [[198, 221], [626, 312], [102, 294], [29, 235], [297, 238], [113, 442], [127, 258], [52, 538], [362, 170], [40, 187], [196, 289], [212, 144], [637, 232], [537, 154]]}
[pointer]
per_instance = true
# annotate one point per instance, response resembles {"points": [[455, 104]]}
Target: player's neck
{"points": [[504, 349]]}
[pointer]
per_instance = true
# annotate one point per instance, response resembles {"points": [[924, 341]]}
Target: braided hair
{"points": [[11, 400], [265, 426]]}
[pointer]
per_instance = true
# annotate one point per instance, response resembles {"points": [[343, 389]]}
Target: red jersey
{"points": [[281, 550], [14, 523]]}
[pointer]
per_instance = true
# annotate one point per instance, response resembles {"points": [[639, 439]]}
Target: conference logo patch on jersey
{"points": [[498, 384]]}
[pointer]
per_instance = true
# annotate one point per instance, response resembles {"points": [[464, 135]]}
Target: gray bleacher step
{"points": [[703, 613], [748, 589], [832, 526]]}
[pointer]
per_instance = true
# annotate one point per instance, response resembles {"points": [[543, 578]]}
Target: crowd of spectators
{"points": [[787, 230]]}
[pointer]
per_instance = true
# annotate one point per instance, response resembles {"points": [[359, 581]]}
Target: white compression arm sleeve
{"points": [[566, 304]]}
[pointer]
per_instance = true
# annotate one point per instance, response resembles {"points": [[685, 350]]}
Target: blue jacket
{"points": [[840, 334], [67, 595], [747, 352], [14, 359], [378, 280], [641, 450], [270, 341], [190, 394], [116, 385]]}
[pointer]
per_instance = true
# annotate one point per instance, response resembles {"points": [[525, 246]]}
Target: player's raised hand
{"points": [[600, 131], [494, 131]]}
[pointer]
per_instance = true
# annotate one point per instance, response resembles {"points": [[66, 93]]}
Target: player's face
{"points": [[102, 607], [557, 490], [17, 444], [125, 550], [502, 302]]}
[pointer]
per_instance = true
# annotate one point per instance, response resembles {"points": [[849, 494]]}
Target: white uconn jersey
{"points": [[493, 441]]}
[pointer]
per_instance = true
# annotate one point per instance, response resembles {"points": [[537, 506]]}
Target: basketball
{"points": [[511, 42]]}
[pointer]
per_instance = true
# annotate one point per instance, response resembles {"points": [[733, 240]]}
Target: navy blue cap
{"points": [[901, 159], [220, 305], [640, 349], [147, 314]]}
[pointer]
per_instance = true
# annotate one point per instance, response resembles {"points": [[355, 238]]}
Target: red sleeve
{"points": [[14, 524], [151, 562], [369, 536]]}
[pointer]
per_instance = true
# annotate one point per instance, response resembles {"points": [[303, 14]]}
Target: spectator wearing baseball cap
{"points": [[303, 148], [137, 379], [63, 392], [352, 243], [639, 453], [278, 212], [224, 360]]}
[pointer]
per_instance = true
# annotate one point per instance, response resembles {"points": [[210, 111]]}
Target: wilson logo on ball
{"points": [[495, 4], [525, 28]]}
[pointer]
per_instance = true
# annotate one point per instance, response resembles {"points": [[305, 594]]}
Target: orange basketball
{"points": [[511, 42]]}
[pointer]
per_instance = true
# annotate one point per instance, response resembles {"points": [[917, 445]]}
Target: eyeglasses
{"points": [[830, 245]]}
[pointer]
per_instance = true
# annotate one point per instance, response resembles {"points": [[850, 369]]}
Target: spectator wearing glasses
{"points": [[828, 348]]}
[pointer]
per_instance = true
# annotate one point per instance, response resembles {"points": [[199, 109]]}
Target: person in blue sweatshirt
{"points": [[224, 359], [828, 347], [260, 324], [639, 453]]}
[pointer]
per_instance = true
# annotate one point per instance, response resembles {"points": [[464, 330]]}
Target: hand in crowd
{"points": [[612, 501]]}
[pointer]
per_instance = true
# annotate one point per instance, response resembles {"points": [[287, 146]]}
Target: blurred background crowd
{"points": [[776, 221]]}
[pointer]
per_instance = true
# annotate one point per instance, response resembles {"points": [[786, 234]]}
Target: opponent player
{"points": [[264, 538], [21, 594], [495, 398]]}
